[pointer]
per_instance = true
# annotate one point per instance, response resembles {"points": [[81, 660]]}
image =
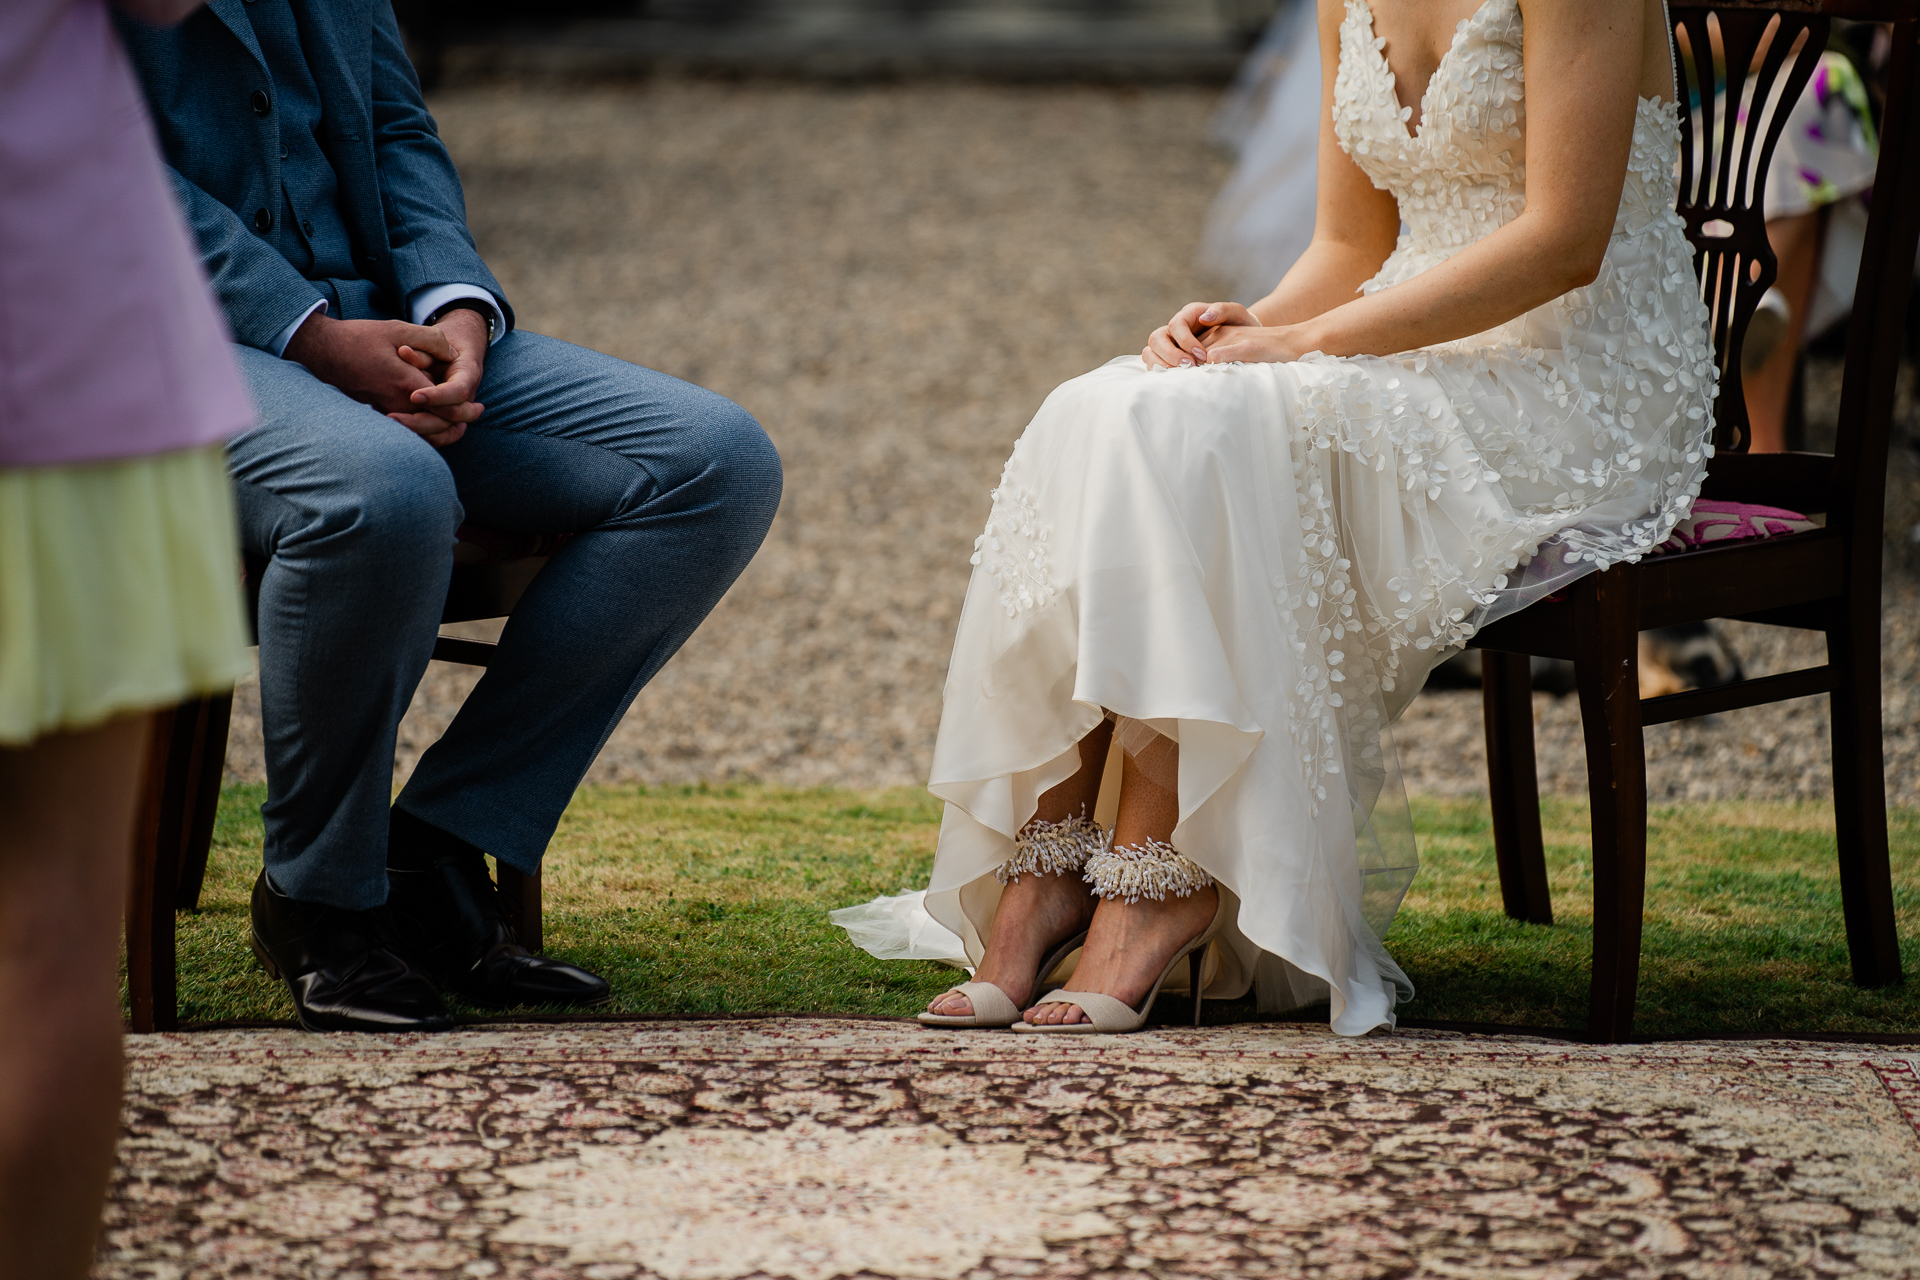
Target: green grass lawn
{"points": [[706, 900]]}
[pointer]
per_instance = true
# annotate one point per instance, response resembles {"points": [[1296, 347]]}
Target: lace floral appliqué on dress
{"points": [[1262, 562]]}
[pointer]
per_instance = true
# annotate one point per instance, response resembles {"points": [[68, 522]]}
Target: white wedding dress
{"points": [[1263, 561]]}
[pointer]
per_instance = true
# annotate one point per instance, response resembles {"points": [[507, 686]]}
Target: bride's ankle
{"points": [[1045, 902], [1151, 869], [1060, 848], [1036, 914]]}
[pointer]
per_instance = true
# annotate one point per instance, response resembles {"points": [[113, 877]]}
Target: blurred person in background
{"points": [[398, 400], [1262, 220], [119, 579], [1816, 193]]}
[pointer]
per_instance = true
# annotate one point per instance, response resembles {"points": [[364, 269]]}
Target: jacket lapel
{"points": [[337, 38], [234, 14]]}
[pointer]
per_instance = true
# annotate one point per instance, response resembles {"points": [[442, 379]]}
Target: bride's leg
{"points": [[1038, 911], [1129, 944]]}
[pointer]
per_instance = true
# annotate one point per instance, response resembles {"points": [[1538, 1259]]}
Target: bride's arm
{"points": [[1355, 226], [1583, 77]]}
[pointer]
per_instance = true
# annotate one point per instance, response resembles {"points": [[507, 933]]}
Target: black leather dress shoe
{"points": [[341, 967], [451, 925]]}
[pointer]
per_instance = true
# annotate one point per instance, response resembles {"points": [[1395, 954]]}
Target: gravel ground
{"points": [[891, 279]]}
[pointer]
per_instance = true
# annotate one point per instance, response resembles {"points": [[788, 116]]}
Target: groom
{"points": [[397, 400]]}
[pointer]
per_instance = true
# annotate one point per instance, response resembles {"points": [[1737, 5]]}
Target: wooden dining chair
{"points": [[187, 756], [1826, 579]]}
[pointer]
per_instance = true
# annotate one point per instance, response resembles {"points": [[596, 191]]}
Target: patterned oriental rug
{"points": [[816, 1148]]}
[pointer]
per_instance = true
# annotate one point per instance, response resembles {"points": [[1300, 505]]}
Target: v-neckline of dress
{"points": [[1459, 35]]}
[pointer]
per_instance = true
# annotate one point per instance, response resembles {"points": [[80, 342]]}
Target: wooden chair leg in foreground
{"points": [[179, 798], [158, 836], [1606, 666], [1860, 802], [209, 746]]}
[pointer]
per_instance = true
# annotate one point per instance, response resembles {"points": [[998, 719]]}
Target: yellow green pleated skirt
{"points": [[119, 590]]}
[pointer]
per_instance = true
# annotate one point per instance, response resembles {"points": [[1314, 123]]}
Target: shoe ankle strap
{"points": [[1053, 848], [1153, 870]]}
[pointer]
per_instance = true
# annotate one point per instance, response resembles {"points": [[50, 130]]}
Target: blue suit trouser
{"points": [[669, 490]]}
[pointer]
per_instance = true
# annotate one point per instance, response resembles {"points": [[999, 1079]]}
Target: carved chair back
{"points": [[1742, 65], [1739, 74]]}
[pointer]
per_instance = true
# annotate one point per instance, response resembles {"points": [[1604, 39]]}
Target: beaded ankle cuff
{"points": [[1155, 870], [1052, 848]]}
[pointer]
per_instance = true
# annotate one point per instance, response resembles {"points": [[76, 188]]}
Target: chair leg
{"points": [[1513, 785], [1860, 801], [158, 835], [208, 765], [1606, 667], [520, 895]]}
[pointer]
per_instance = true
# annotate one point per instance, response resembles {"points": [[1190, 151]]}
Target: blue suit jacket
{"points": [[399, 195]]}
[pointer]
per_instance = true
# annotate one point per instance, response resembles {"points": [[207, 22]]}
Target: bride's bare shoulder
{"points": [[1641, 22]]}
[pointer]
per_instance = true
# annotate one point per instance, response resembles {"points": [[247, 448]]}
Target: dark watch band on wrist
{"points": [[469, 304]]}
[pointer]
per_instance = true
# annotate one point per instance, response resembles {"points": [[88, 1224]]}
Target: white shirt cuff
{"points": [[280, 340], [422, 303]]}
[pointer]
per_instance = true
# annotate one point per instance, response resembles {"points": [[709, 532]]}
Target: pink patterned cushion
{"points": [[1713, 522]]}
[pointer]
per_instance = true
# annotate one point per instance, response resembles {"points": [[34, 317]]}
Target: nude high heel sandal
{"points": [[1044, 848], [1154, 871], [991, 1007]]}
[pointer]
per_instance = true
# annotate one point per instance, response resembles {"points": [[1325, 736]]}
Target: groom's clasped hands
{"points": [[424, 377], [1218, 333]]}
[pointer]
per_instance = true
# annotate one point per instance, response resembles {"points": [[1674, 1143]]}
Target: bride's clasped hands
{"points": [[1221, 333]]}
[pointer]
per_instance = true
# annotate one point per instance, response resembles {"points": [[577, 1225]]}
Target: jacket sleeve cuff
{"points": [[423, 302], [278, 343]]}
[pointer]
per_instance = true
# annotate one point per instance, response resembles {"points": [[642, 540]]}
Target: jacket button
{"points": [[283, 151], [306, 228], [262, 220], [261, 103]]}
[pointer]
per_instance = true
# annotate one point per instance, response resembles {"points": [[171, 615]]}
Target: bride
{"points": [[1235, 557]]}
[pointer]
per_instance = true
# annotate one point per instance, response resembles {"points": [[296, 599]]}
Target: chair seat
{"points": [[474, 545], [1713, 522], [492, 569]]}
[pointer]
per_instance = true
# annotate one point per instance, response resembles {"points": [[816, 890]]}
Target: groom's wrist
{"points": [[488, 317]]}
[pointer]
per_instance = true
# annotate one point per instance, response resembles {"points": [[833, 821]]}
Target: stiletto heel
{"points": [[1194, 960]]}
